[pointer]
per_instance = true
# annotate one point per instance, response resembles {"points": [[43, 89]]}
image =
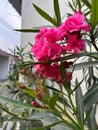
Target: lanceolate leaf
{"points": [[28, 30], [83, 65], [57, 11], [45, 15], [87, 3], [94, 13], [91, 120], [48, 126], [17, 103], [1, 118], [79, 103], [53, 100], [91, 97]]}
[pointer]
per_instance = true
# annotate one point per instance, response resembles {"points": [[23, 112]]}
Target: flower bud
{"points": [[22, 86], [35, 104]]}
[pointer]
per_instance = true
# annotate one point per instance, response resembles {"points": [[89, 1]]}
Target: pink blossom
{"points": [[52, 71], [40, 50], [53, 35], [46, 46], [40, 35], [75, 45], [74, 23]]}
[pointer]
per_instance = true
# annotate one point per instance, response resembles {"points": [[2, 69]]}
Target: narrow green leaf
{"points": [[71, 6], [6, 126], [79, 4], [94, 14], [30, 92], [62, 70], [57, 11], [91, 120], [48, 126], [87, 115], [27, 30], [83, 65], [87, 3], [91, 97], [53, 100], [76, 86], [17, 103], [79, 103], [45, 15], [14, 126], [22, 126], [0, 118]]}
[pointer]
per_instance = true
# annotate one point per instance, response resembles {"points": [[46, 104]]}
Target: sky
{"points": [[9, 20]]}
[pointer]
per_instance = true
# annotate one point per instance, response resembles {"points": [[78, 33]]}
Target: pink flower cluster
{"points": [[47, 45]]}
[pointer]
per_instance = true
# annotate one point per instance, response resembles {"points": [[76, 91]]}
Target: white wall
{"points": [[4, 65]]}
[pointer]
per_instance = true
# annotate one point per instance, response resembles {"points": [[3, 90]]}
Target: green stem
{"points": [[68, 116]]}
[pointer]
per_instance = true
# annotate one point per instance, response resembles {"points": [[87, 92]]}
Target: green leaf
{"points": [[91, 97], [91, 120], [14, 126], [87, 3], [0, 118], [79, 103], [28, 30], [57, 11], [30, 92], [53, 100], [17, 103], [22, 126], [83, 65], [94, 14], [48, 126], [79, 4], [76, 86], [45, 15], [62, 70]]}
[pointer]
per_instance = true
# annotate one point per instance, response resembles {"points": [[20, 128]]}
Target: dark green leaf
{"points": [[0, 118], [30, 92], [83, 65], [91, 97], [14, 126], [76, 86], [22, 126], [17, 103], [79, 103], [48, 126], [71, 6], [28, 30], [94, 13], [53, 100], [57, 12], [79, 4], [87, 3], [91, 120], [45, 15], [62, 70]]}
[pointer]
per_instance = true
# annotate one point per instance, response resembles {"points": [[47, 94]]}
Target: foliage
{"points": [[60, 103]]}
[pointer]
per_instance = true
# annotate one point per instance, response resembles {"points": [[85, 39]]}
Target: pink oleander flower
{"points": [[76, 23], [52, 34], [52, 71], [75, 45], [41, 34], [40, 50], [46, 46]]}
